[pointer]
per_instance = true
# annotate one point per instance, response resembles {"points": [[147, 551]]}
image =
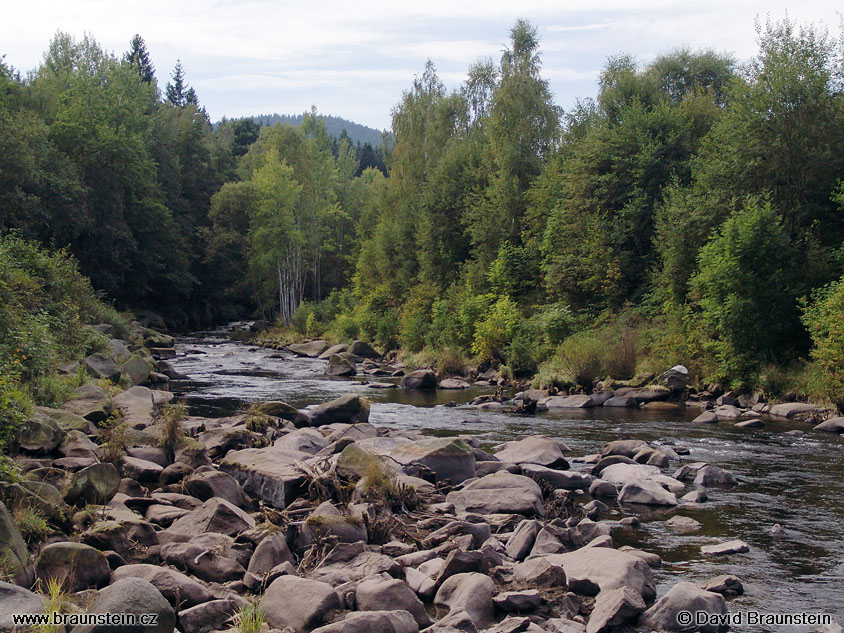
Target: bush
{"points": [[581, 359], [824, 319], [416, 316], [496, 330]]}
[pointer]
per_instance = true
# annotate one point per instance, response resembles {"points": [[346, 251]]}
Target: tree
{"points": [[745, 294], [138, 57], [245, 133], [176, 92], [275, 238]]}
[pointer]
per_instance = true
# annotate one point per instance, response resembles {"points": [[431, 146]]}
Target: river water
{"points": [[795, 481]]}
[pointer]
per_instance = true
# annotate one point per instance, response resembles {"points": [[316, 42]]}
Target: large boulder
{"points": [[40, 434], [206, 617], [278, 409], [793, 410], [535, 449], [101, 366], [90, 402], [126, 533], [577, 401], [137, 406], [646, 492], [214, 483], [271, 551], [498, 493], [135, 596], [363, 349], [351, 562], [12, 546], [380, 594], [342, 364], [215, 515], [311, 349], [421, 379], [613, 608], [96, 484], [211, 557], [450, 459], [179, 590], [833, 425], [15, 600], [675, 378], [685, 597], [140, 470], [565, 479], [327, 522], [78, 565], [348, 409], [471, 592], [265, 474], [137, 369], [591, 570], [299, 603]]}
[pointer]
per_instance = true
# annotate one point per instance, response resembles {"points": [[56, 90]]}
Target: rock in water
{"points": [[348, 409], [419, 379]]}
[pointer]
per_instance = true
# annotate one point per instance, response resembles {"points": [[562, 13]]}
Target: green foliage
{"points": [[171, 421], [249, 619], [111, 436], [744, 292], [496, 330], [824, 319], [31, 523]]}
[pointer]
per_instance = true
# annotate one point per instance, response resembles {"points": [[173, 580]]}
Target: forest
{"points": [[691, 212]]}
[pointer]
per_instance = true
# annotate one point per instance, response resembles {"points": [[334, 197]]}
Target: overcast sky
{"points": [[354, 58]]}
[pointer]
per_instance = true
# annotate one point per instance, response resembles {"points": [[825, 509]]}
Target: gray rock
{"points": [[137, 406], [136, 596], [215, 515], [90, 402], [833, 425], [263, 474], [342, 364], [646, 492], [80, 566], [562, 479], [450, 459], [601, 488], [311, 349], [211, 557], [12, 546], [348, 409], [707, 417], [710, 475], [535, 449], [593, 569], [723, 549], [521, 541], [727, 585], [299, 603], [15, 600], [683, 524], [621, 402], [207, 617], [334, 349], [95, 484], [500, 492], [40, 434], [421, 379], [101, 366], [372, 622], [140, 469], [675, 378], [579, 401], [349, 562], [613, 608], [214, 483], [793, 410], [179, 590], [470, 592], [379, 594], [684, 596], [518, 601]]}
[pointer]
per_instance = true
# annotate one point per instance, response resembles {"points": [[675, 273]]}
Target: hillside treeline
{"points": [[691, 212]]}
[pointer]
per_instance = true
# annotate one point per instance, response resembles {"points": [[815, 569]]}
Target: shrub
{"points": [[112, 437], [249, 619], [581, 358], [496, 330], [31, 523], [416, 316], [171, 421], [824, 319]]}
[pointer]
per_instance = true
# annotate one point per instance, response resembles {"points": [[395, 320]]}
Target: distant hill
{"points": [[334, 125]]}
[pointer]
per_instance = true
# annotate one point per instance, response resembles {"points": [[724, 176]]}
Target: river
{"points": [[797, 481]]}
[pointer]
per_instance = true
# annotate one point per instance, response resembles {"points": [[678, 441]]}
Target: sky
{"points": [[354, 59]]}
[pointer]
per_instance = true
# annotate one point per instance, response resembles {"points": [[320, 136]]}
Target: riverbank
{"points": [[381, 525]]}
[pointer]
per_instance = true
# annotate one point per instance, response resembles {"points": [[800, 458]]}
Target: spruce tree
{"points": [[138, 57], [175, 92]]}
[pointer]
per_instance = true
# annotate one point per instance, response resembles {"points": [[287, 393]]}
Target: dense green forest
{"points": [[692, 212]]}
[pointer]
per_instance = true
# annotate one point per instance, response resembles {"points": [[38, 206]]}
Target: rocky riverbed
{"points": [[337, 506]]}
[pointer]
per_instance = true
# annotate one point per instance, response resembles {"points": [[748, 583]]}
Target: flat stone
{"points": [[263, 474], [499, 493], [833, 425], [723, 549], [793, 410], [579, 401], [613, 608], [684, 597], [137, 407], [535, 449]]}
